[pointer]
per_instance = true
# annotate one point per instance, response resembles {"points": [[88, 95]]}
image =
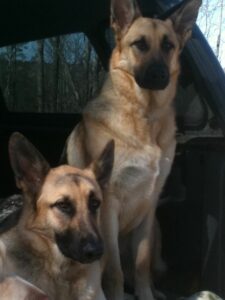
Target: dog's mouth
{"points": [[90, 254], [84, 251], [153, 77]]}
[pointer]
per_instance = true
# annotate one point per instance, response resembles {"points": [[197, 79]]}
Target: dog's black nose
{"points": [[92, 249], [154, 77], [158, 74]]}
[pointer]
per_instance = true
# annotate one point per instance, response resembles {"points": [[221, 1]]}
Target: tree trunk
{"points": [[56, 74], [10, 89], [220, 25], [40, 76]]}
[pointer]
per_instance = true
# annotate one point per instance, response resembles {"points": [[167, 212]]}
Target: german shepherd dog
{"points": [[135, 109], [57, 242]]}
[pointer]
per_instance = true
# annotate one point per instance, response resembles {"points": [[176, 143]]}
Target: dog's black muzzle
{"points": [[91, 249], [153, 77], [82, 249]]}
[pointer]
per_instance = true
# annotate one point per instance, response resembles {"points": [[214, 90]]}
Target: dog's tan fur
{"points": [[56, 201], [15, 288], [142, 123]]}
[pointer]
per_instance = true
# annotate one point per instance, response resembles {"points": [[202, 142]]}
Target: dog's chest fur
{"points": [[133, 183]]}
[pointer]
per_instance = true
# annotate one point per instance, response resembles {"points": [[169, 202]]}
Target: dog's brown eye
{"points": [[93, 203], [167, 45], [141, 45], [65, 206]]}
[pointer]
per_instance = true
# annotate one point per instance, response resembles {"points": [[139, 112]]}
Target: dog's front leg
{"points": [[113, 276], [141, 247]]}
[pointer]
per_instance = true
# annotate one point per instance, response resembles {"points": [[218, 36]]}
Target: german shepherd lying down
{"points": [[16, 288], [135, 109], [57, 242]]}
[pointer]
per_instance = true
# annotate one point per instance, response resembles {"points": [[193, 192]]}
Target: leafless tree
{"points": [[58, 74], [212, 23]]}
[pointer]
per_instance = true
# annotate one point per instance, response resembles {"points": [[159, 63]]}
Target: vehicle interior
{"points": [[191, 210]]}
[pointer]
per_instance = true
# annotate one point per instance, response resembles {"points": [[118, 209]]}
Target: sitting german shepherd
{"points": [[135, 108], [57, 242]]}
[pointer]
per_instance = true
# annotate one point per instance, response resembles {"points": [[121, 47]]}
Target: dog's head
{"points": [[148, 49], [62, 203]]}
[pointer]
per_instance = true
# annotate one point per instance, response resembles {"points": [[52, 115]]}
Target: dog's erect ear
{"points": [[102, 167], [29, 166], [123, 13], [184, 19]]}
